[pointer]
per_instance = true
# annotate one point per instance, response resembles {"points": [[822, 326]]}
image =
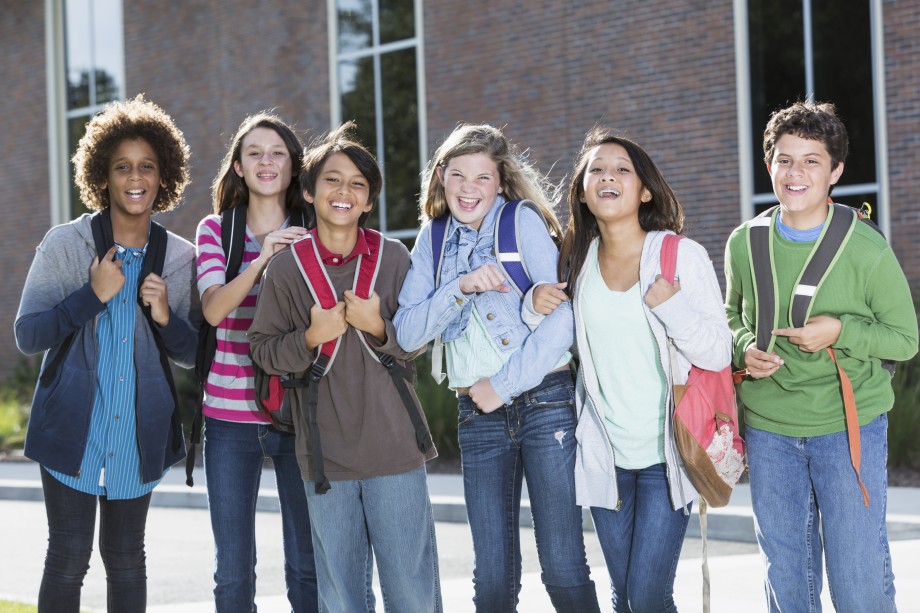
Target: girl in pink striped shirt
{"points": [[256, 173]]}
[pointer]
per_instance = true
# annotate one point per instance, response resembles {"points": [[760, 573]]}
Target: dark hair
{"points": [[518, 176], [810, 120], [340, 141], [135, 119], [229, 190], [662, 212]]}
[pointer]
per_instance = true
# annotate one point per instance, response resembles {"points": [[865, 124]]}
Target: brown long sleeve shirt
{"points": [[364, 427]]}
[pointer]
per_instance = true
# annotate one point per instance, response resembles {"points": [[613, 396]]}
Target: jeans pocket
{"points": [[466, 415]]}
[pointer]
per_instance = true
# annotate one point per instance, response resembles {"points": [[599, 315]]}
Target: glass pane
{"points": [[108, 50], [777, 69], [354, 22], [401, 138], [397, 20], [76, 128], [356, 83], [79, 52], [843, 75]]}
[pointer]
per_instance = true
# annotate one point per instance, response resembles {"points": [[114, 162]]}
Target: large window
{"points": [[377, 68], [825, 51], [86, 68]]}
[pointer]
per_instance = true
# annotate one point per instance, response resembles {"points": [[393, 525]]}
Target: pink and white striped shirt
{"points": [[229, 391]]}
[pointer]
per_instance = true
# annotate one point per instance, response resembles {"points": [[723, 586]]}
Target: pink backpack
{"points": [[705, 417]]}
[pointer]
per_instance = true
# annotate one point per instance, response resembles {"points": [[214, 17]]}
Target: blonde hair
{"points": [[518, 177]]}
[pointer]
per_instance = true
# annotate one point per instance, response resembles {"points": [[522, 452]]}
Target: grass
{"points": [[16, 607]]}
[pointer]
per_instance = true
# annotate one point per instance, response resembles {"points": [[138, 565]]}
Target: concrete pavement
{"points": [[180, 550]]}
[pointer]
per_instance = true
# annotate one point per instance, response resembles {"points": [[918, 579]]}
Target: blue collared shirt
{"points": [[111, 461]]}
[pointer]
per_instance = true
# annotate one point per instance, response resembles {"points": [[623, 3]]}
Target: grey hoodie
{"points": [[57, 300]]}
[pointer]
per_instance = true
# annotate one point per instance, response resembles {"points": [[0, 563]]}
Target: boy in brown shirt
{"points": [[378, 500]]}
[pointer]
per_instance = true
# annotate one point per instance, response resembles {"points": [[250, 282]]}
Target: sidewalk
{"points": [[180, 550]]}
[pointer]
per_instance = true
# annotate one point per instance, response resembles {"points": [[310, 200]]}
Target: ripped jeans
{"points": [[533, 437]]}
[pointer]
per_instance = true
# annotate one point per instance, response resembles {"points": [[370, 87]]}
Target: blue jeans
{"points": [[233, 457], [642, 541], [71, 525], [806, 499], [387, 518], [533, 437]]}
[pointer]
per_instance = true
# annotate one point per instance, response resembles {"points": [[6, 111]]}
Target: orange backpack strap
{"points": [[852, 418]]}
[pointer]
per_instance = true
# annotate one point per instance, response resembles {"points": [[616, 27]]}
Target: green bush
{"points": [[15, 397], [904, 419]]}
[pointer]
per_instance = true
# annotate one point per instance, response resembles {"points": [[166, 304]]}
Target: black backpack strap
{"points": [[233, 242], [154, 260], [320, 482], [400, 377]]}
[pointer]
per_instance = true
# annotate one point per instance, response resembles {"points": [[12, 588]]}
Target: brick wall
{"points": [[665, 78], [24, 190], [902, 76], [210, 63]]}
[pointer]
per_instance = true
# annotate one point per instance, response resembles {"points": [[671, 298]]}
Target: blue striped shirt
{"points": [[111, 462]]}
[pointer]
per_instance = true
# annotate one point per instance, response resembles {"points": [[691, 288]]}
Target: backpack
{"points": [[154, 259], [705, 417], [314, 274], [507, 249], [838, 228], [706, 429], [232, 226]]}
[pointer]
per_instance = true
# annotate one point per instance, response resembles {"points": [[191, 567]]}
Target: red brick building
{"points": [[692, 81]]}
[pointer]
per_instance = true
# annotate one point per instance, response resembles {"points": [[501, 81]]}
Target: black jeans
{"points": [[71, 525]]}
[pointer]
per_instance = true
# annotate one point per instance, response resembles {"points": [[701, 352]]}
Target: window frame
{"points": [[59, 116], [375, 50], [748, 166]]}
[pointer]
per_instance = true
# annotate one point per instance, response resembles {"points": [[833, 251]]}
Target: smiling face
{"points": [[133, 179], [342, 194], [611, 188], [471, 183], [802, 175], [265, 163]]}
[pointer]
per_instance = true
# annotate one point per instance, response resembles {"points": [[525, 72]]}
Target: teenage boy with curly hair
{"points": [[104, 425], [805, 484]]}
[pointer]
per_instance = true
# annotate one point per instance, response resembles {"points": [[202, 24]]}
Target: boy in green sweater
{"points": [[806, 494]]}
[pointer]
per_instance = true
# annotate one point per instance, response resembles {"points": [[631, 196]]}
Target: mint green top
{"points": [[474, 355], [629, 376], [866, 290]]}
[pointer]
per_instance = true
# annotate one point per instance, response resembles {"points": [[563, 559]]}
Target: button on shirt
{"points": [[111, 463]]}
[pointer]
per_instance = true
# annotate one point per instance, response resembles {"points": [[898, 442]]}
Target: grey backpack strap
{"points": [[839, 227], [765, 294]]}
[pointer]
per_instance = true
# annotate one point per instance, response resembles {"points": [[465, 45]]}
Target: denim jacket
{"points": [[426, 311]]}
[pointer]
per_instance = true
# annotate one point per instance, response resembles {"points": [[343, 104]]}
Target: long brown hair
{"points": [[229, 190], [662, 212], [518, 177]]}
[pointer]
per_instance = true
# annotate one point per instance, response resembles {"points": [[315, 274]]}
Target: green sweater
{"points": [[867, 291]]}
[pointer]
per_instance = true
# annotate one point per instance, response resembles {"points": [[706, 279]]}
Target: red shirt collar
{"points": [[337, 259]]}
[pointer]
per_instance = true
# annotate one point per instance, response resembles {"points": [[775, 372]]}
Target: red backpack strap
{"points": [[669, 256]]}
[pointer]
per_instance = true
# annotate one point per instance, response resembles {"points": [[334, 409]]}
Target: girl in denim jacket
{"points": [[514, 386]]}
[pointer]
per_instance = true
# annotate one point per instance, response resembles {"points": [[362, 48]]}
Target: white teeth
{"points": [[135, 192], [609, 192], [796, 188], [341, 206], [468, 201]]}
